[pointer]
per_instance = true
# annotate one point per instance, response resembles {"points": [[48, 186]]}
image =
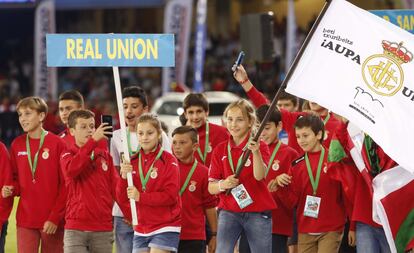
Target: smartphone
{"points": [[107, 119], [238, 61]]}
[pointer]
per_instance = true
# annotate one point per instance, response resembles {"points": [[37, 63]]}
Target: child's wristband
{"points": [[244, 81]]}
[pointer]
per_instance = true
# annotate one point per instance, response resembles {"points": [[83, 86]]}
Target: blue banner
{"points": [[402, 18], [99, 50], [200, 45]]}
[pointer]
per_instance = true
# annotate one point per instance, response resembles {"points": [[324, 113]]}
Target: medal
{"points": [[275, 165], [192, 187], [45, 154], [154, 174], [209, 148]]}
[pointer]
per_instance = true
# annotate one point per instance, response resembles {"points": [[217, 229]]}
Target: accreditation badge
{"points": [[275, 165], [154, 173], [192, 186], [241, 196], [312, 205], [45, 154]]}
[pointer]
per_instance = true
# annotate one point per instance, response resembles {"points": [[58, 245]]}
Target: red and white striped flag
{"points": [[393, 207]]}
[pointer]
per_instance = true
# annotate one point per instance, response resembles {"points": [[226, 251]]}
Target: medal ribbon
{"points": [[144, 180], [326, 119], [273, 157], [130, 151], [206, 145], [231, 158], [314, 182], [33, 165], [187, 180]]}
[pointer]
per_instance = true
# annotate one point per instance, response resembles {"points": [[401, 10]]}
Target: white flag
{"points": [[45, 78], [360, 66]]}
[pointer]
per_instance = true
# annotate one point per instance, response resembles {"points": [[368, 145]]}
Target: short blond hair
{"points": [[34, 103]]}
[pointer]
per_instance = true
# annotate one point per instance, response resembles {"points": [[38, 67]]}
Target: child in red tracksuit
{"points": [[38, 180], [209, 135], [198, 203], [248, 207], [91, 181], [280, 161], [156, 190], [319, 198]]}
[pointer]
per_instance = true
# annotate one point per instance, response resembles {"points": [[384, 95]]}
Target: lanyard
{"points": [[273, 156], [187, 180], [33, 165], [314, 182], [130, 151], [326, 119], [144, 180], [206, 145], [92, 155], [231, 158]]}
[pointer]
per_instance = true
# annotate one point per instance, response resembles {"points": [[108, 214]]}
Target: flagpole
{"points": [[284, 84]]}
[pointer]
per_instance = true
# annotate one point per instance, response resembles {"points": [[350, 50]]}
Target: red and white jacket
{"points": [[195, 200], [6, 204], [42, 197], [217, 134], [159, 206], [332, 211], [220, 169], [91, 184], [282, 216]]}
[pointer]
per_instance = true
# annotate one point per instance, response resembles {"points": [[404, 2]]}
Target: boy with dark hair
{"points": [[319, 198], [287, 101], [38, 180], [68, 102], [209, 135], [279, 163], [135, 104], [91, 182], [197, 202]]}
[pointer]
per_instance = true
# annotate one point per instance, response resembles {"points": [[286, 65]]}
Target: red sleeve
{"points": [[289, 195], [215, 171], [74, 165], [168, 195], [122, 197], [264, 151], [13, 177], [122, 202], [57, 213], [257, 98], [6, 204], [289, 119], [209, 201]]}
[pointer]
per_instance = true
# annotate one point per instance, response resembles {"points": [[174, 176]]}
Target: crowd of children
{"points": [[192, 192]]}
